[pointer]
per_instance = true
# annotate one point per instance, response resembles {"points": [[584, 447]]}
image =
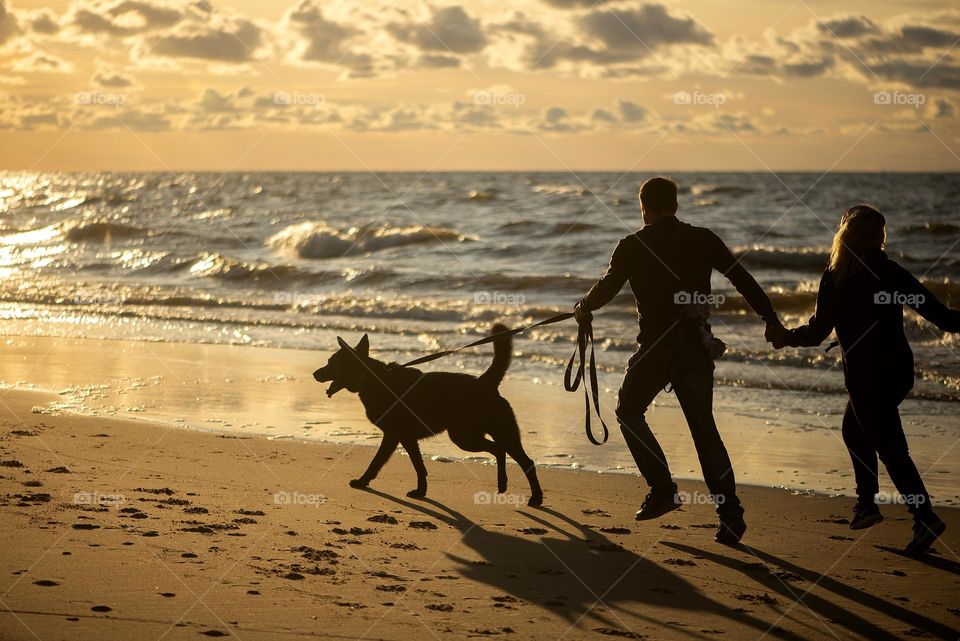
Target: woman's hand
{"points": [[582, 315]]}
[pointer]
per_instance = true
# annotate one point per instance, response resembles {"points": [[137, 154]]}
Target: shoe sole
{"points": [[921, 544], [869, 521], [657, 515], [729, 537]]}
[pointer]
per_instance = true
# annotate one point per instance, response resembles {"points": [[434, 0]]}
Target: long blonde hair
{"points": [[862, 230]]}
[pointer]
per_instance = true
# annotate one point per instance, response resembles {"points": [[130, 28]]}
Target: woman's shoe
{"points": [[925, 533]]}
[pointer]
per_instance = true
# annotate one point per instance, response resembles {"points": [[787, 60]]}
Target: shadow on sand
{"points": [[771, 570], [582, 576]]}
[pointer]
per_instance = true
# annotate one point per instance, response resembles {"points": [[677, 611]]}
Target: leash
{"points": [[584, 336]]}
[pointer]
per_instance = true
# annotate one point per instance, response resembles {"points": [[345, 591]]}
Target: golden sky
{"points": [[482, 84]]}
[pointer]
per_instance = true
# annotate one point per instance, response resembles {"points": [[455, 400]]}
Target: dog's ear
{"points": [[363, 347], [343, 344]]}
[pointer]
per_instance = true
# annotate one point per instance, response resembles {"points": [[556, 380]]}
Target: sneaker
{"points": [[730, 530], [656, 504], [865, 515], [925, 533]]}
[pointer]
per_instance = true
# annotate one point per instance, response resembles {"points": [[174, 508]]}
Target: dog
{"points": [[409, 405]]}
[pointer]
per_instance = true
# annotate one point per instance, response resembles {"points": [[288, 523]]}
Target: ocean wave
{"points": [[100, 231], [711, 189], [318, 240], [805, 259], [934, 229], [562, 190]]}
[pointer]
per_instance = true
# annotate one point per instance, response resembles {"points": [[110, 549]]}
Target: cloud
{"points": [[233, 40], [632, 112], [847, 26], [326, 41], [112, 80], [644, 29], [575, 4], [449, 29], [127, 17], [40, 62], [9, 27]]}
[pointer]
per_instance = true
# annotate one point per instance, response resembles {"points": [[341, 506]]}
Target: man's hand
{"points": [[776, 334], [582, 315]]}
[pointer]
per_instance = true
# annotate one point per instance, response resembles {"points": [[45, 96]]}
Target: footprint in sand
{"points": [[101, 608], [47, 583], [425, 525], [615, 530], [439, 607], [617, 632], [532, 530], [682, 562], [59, 470], [215, 633], [383, 518], [85, 526], [167, 595]]}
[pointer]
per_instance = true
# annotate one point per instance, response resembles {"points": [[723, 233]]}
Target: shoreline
{"points": [[137, 529], [269, 391]]}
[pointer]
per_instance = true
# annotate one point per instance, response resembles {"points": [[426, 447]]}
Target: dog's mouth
{"points": [[334, 388]]}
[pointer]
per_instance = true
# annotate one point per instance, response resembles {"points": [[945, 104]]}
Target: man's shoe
{"points": [[731, 530], [865, 515], [925, 533], [657, 504]]}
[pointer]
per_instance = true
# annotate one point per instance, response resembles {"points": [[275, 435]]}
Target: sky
{"points": [[618, 85]]}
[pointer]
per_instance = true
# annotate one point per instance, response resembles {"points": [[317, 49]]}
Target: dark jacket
{"points": [[866, 310], [665, 260]]}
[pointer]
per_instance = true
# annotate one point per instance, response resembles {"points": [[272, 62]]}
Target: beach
{"points": [[122, 525]]}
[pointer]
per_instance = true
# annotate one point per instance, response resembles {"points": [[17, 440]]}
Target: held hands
{"points": [[776, 334]]}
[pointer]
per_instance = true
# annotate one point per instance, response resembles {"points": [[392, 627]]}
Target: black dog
{"points": [[409, 405]]}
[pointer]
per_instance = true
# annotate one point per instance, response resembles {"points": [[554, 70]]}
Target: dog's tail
{"points": [[502, 351]]}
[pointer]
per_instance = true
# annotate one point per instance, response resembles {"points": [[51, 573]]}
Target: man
{"points": [[668, 264]]}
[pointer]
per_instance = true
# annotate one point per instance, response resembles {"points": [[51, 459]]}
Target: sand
{"points": [[120, 529]]}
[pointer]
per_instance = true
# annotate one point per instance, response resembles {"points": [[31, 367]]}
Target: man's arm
{"points": [[609, 284], [821, 323], [725, 263]]}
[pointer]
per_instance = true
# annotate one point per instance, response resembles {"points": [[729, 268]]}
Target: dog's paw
{"points": [[417, 494], [535, 501], [359, 483]]}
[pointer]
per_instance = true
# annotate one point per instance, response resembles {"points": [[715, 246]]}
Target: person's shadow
{"points": [[802, 594], [577, 573]]}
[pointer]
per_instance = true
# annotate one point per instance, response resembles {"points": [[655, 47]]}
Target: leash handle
{"points": [[585, 336]]}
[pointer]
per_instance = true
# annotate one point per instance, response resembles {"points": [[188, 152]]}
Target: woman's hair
{"points": [[862, 231]]}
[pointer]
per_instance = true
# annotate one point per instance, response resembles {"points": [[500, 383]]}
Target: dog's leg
{"points": [[515, 450], [413, 449], [387, 446], [473, 442]]}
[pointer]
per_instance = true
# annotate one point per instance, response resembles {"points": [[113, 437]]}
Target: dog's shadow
{"points": [[572, 571]]}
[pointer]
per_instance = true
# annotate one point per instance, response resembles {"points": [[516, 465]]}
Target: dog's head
{"points": [[346, 368]]}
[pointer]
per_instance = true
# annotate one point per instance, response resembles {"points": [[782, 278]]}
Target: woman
{"points": [[861, 296]]}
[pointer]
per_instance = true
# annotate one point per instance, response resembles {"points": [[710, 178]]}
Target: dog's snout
{"points": [[318, 375]]}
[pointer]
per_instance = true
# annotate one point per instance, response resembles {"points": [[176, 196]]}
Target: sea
{"points": [[429, 261]]}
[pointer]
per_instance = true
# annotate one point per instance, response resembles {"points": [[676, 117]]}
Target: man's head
{"points": [[658, 199]]}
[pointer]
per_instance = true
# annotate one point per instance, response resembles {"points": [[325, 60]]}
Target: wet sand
{"points": [[119, 529], [260, 391]]}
